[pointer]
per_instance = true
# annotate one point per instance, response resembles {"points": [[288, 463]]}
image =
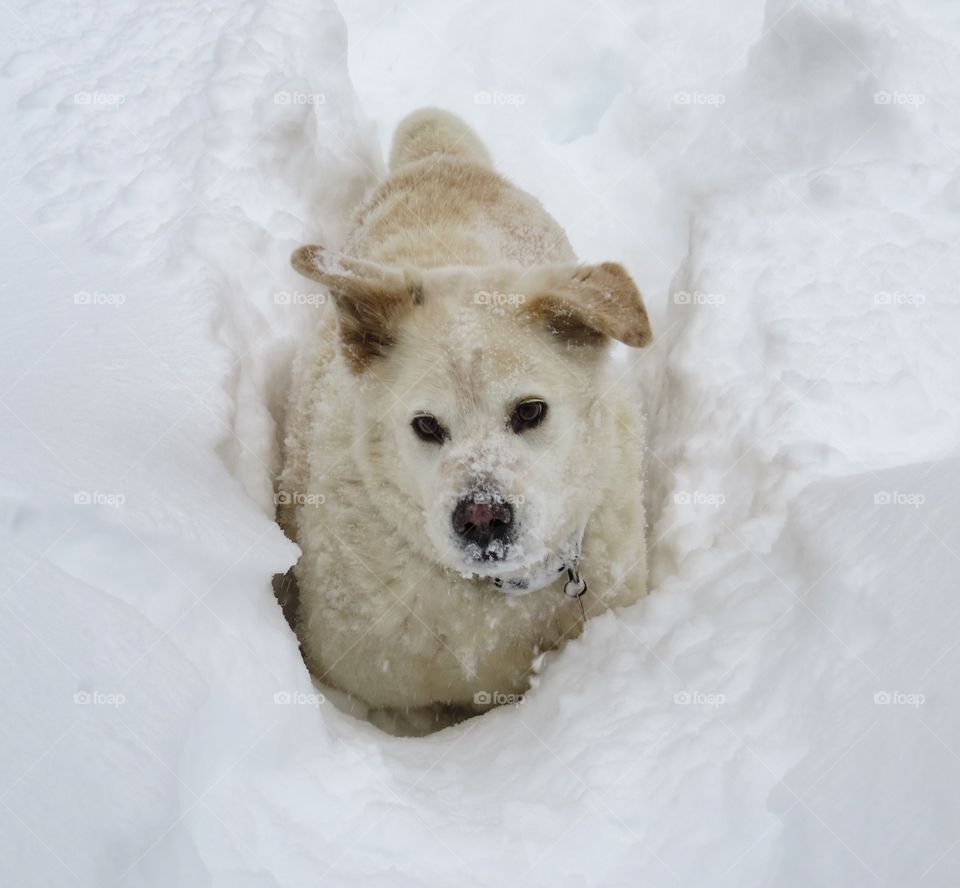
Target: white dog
{"points": [[459, 460]]}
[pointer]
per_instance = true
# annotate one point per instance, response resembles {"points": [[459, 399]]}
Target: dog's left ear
{"points": [[589, 302], [370, 298], [344, 274]]}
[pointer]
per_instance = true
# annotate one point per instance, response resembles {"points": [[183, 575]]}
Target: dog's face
{"points": [[487, 422], [479, 398]]}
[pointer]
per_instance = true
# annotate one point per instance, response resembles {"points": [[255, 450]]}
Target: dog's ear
{"points": [[587, 303], [369, 297]]}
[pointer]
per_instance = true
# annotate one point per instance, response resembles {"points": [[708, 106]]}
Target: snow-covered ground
{"points": [[782, 181]]}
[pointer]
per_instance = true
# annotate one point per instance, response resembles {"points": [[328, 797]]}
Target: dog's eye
{"points": [[528, 415], [429, 429]]}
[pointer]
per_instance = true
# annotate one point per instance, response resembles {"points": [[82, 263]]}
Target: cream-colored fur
{"points": [[456, 295]]}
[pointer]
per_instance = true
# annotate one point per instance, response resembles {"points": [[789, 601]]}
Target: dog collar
{"points": [[547, 571]]}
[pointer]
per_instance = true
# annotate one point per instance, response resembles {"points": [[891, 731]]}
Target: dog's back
{"points": [[435, 133], [444, 204]]}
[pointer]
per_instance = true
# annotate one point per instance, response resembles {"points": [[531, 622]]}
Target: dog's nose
{"points": [[482, 522]]}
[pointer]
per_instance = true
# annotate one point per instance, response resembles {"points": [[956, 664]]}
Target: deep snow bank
{"points": [[159, 183], [778, 712]]}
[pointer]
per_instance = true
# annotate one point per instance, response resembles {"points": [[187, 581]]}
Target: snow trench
{"points": [[782, 181]]}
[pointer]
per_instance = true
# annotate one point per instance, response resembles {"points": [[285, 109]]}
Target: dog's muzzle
{"points": [[483, 522]]}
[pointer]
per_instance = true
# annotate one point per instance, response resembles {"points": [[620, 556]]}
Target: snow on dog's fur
{"points": [[456, 420]]}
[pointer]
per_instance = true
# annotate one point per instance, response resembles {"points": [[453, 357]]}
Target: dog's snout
{"points": [[482, 520]]}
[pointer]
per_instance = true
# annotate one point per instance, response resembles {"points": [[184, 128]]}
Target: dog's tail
{"points": [[433, 132]]}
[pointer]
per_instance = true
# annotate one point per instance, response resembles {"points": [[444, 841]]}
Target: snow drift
{"points": [[782, 181]]}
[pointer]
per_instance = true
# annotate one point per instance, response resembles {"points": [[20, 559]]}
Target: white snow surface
{"points": [[782, 181]]}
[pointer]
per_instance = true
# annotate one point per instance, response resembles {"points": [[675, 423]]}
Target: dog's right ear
{"points": [[369, 297]]}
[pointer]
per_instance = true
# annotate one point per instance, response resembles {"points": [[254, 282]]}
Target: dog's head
{"points": [[480, 398]]}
